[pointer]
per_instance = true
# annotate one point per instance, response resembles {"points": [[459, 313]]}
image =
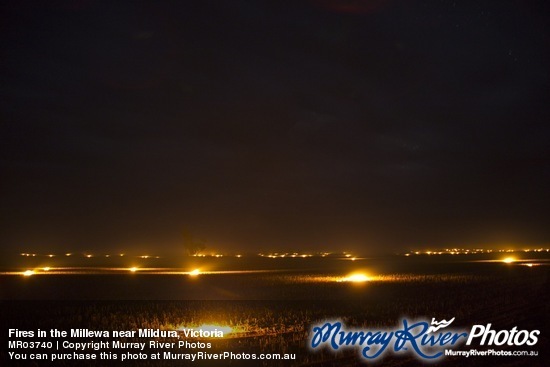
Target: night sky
{"points": [[363, 125]]}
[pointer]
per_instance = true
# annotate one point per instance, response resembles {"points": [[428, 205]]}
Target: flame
{"points": [[195, 272], [357, 278], [212, 327]]}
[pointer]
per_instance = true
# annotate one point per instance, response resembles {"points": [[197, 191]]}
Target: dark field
{"points": [[274, 311]]}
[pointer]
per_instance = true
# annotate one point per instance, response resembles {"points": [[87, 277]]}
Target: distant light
{"points": [[28, 273], [47, 268], [50, 255], [194, 272], [529, 265], [357, 278], [212, 327], [133, 269], [120, 254], [68, 254], [88, 256], [107, 255], [353, 259], [509, 260], [238, 255]]}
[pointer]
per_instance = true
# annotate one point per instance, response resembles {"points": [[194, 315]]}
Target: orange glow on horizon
{"points": [[213, 327], [194, 272], [357, 278]]}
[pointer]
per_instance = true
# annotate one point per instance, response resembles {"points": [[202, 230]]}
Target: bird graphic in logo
{"points": [[439, 325]]}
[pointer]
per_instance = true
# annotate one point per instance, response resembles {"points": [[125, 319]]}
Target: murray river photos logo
{"points": [[427, 341]]}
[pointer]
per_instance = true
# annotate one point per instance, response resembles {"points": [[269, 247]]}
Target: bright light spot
{"points": [[68, 254], [529, 265], [47, 268], [212, 327], [195, 272], [28, 273], [133, 269], [357, 278], [50, 255], [509, 260], [88, 256]]}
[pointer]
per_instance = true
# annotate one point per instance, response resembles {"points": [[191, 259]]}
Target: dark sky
{"points": [[369, 125]]}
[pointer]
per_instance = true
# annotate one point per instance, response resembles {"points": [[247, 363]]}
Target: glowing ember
{"points": [[212, 327], [28, 273], [357, 278]]}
